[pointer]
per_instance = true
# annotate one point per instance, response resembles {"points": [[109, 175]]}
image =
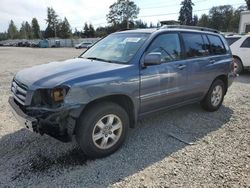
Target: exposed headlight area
{"points": [[51, 98]]}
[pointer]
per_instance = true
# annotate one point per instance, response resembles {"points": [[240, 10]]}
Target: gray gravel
{"points": [[186, 147]]}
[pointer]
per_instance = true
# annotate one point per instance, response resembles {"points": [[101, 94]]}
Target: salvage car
{"points": [[124, 77], [240, 46]]}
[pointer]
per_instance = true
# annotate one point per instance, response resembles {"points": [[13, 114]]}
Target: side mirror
{"points": [[153, 58]]}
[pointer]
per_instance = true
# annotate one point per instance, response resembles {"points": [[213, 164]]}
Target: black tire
{"points": [[87, 123], [206, 103], [239, 67]]}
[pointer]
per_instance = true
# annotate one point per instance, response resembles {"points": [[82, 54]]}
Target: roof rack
{"points": [[189, 27]]}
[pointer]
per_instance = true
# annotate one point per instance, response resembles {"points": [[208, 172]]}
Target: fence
{"points": [[52, 41]]}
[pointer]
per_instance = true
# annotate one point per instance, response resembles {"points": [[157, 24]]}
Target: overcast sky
{"points": [[94, 11]]}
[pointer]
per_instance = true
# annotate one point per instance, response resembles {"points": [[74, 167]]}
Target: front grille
{"points": [[19, 92]]}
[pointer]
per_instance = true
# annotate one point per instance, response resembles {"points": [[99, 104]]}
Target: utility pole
{"points": [[55, 29]]}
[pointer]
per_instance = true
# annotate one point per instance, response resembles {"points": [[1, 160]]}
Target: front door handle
{"points": [[181, 67], [212, 61]]}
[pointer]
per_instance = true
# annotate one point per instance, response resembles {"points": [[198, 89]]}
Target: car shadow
{"points": [[27, 155]]}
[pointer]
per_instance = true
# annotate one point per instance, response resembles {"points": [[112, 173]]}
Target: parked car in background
{"points": [[122, 78], [34, 44], [10, 44], [84, 45], [23, 44], [240, 47]]}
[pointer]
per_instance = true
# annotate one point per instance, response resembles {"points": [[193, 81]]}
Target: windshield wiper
{"points": [[98, 59], [105, 60]]}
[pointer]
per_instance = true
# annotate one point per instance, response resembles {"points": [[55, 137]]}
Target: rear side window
{"points": [[246, 43], [194, 45], [216, 45], [232, 40]]}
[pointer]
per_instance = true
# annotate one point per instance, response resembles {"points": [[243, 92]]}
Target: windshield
{"points": [[116, 48]]}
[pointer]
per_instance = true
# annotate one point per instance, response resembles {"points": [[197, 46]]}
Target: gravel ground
{"points": [[186, 147]]}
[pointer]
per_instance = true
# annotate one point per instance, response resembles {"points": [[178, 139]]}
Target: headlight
{"points": [[50, 97], [58, 94]]}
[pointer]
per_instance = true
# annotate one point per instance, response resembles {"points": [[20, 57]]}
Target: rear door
{"points": [[200, 66], [164, 85]]}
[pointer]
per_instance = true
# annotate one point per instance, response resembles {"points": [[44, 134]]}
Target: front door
{"points": [[164, 85]]}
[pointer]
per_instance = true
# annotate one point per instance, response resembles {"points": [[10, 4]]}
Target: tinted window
{"points": [[246, 43], [232, 40], [217, 46], [194, 45], [168, 45]]}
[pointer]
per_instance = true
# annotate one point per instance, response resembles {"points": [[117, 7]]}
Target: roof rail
{"points": [[189, 27]]}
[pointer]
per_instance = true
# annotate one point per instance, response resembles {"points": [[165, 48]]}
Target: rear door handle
{"points": [[181, 67]]}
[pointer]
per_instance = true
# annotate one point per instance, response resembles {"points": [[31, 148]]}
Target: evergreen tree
{"points": [[85, 30], [12, 30], [195, 20], [65, 31], [28, 30], [77, 33], [140, 24], [91, 31], [35, 28], [53, 23], [22, 31], [186, 12]]}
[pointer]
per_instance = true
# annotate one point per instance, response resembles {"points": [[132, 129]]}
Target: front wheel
{"points": [[214, 97], [102, 129]]}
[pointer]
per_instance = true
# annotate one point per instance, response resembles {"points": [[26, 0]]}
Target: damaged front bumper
{"points": [[58, 123]]}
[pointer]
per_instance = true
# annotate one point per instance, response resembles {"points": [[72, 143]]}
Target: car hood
{"points": [[56, 73]]}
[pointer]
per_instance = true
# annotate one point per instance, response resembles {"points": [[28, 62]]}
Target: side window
{"points": [[216, 45], [194, 45], [232, 40], [246, 43], [168, 45]]}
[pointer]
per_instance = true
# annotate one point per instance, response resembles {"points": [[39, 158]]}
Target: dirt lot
{"points": [[186, 147]]}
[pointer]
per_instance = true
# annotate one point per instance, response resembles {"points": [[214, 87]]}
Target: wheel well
{"points": [[122, 100], [235, 56], [224, 79]]}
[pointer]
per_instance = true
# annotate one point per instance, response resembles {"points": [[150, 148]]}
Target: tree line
{"points": [[122, 15]]}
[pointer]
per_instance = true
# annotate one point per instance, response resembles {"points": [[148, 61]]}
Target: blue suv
{"points": [[122, 78]]}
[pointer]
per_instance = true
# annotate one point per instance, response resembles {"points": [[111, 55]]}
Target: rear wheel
{"points": [[238, 67], [102, 129], [214, 97]]}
